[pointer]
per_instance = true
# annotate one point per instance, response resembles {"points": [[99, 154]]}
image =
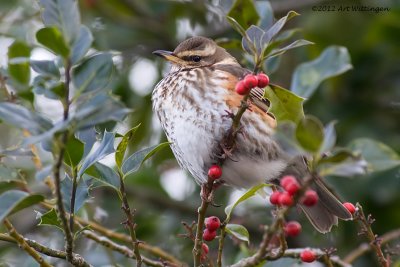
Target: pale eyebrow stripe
{"points": [[207, 51]]}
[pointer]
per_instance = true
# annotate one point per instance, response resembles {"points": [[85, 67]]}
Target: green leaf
{"points": [[82, 44], [333, 61], [11, 184], [63, 14], [251, 43], [107, 176], [18, 63], [248, 194], [81, 195], [264, 10], [105, 148], [73, 152], [45, 67], [52, 39], [98, 108], [284, 105], [136, 160], [94, 73], [276, 28], [22, 117], [379, 156], [236, 26], [50, 218], [88, 137], [329, 137], [295, 44], [238, 231], [13, 201], [347, 168], [310, 133], [338, 156], [244, 12], [120, 152]]}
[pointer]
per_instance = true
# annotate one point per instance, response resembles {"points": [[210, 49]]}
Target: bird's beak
{"points": [[168, 55]]}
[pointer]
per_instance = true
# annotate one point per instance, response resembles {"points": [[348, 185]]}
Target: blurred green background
{"points": [[365, 101]]}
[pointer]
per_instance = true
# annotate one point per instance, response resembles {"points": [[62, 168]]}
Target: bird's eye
{"points": [[195, 58]]}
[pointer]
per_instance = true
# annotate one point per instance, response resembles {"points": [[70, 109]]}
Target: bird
{"points": [[193, 102]]}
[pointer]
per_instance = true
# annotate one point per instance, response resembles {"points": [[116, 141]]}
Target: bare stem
{"points": [[375, 242], [24, 245], [73, 196], [129, 222], [221, 245]]}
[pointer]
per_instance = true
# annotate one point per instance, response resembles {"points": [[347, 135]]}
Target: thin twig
{"points": [[24, 245], [57, 171], [364, 248], [123, 249], [129, 222], [375, 242], [221, 244], [72, 201], [78, 260]]}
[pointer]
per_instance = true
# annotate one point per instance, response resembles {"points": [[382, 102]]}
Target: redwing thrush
{"points": [[191, 104]]}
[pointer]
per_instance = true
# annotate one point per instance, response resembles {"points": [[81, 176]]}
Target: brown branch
{"points": [[364, 248], [129, 222], [124, 250], [77, 259], [375, 242], [19, 239]]}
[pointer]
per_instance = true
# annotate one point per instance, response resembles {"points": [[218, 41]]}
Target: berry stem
{"points": [[221, 244]]}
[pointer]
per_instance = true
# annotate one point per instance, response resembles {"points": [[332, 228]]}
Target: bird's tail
{"points": [[328, 209]]}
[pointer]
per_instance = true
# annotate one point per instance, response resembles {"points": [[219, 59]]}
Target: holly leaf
{"points": [[81, 193], [310, 133], [238, 231], [248, 194], [244, 12], [45, 68], [14, 200], [82, 44], [52, 39], [18, 63], [50, 218], [122, 146], [333, 61], [284, 105]]}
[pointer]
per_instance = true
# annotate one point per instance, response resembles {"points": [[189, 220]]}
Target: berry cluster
{"points": [[250, 81], [291, 186], [212, 225]]}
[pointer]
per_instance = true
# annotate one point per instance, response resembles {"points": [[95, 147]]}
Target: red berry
{"points": [[310, 198], [214, 172], [209, 235], [285, 199], [250, 81], [204, 251], [350, 207], [307, 255], [292, 228], [274, 197], [288, 179], [212, 223], [263, 80], [292, 188], [241, 89]]}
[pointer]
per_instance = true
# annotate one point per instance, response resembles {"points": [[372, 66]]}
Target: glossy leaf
{"points": [[14, 200], [73, 152], [46, 67], [18, 62], [329, 137], [266, 13], [248, 194], [88, 137], [310, 134], [107, 176], [63, 14], [379, 156], [105, 148], [244, 12], [22, 117], [276, 28], [236, 26], [95, 108], [52, 39], [348, 168], [94, 73], [136, 160], [81, 196], [284, 105], [11, 184], [333, 61], [252, 44], [82, 44], [338, 156], [238, 231], [50, 218], [122, 146], [295, 44]]}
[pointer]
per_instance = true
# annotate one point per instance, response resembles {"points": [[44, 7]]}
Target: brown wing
{"points": [[260, 104]]}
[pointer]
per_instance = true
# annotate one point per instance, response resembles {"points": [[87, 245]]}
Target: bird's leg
{"points": [[229, 114]]}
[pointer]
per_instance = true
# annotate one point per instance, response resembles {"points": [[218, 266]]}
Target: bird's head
{"points": [[197, 52]]}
